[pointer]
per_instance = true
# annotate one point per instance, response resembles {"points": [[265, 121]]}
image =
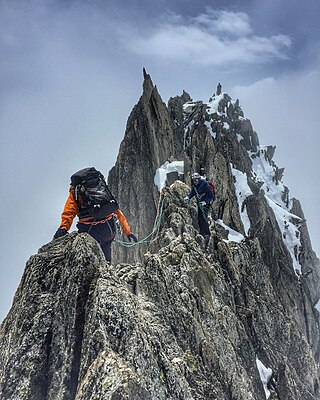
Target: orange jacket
{"points": [[71, 209]]}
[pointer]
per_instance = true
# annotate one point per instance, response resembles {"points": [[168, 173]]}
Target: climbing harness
{"points": [[204, 211], [98, 222]]}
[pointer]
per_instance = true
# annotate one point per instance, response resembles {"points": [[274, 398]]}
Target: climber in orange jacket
{"points": [[102, 229], [71, 210]]}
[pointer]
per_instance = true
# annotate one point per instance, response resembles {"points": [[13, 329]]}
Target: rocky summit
{"points": [[231, 317]]}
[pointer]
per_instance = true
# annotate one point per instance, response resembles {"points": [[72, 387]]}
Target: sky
{"points": [[71, 72]]}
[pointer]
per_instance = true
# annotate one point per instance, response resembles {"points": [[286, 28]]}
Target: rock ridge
{"points": [[175, 318], [188, 322]]}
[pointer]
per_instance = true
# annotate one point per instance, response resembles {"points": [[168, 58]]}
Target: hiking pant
{"points": [[203, 220], [103, 233]]}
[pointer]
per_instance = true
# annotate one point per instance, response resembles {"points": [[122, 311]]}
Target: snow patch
{"points": [[242, 191], [233, 236], [189, 106], [265, 375], [317, 306], [209, 127], [160, 176], [213, 105], [186, 134], [264, 171], [290, 233]]}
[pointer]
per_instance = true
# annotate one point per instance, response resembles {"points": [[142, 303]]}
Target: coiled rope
{"points": [[203, 209], [156, 228], [147, 239]]}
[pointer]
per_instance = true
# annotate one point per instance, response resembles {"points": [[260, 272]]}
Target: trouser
{"points": [[103, 233], [203, 220]]}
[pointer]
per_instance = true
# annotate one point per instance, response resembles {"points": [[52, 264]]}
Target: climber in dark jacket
{"points": [[203, 193]]}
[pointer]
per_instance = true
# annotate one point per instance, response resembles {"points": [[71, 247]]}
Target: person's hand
{"points": [[202, 203], [60, 232], [132, 238]]}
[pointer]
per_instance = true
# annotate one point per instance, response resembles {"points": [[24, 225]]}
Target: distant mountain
{"points": [[175, 317]]}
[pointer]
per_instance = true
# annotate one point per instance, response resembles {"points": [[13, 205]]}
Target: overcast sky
{"points": [[71, 71]]}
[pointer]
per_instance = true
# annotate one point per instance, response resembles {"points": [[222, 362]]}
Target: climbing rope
{"points": [[146, 239], [204, 210]]}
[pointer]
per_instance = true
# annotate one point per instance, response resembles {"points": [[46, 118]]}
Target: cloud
{"points": [[44, 42], [293, 98], [234, 23], [219, 38]]}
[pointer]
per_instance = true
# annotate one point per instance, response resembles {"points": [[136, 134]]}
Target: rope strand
{"points": [[145, 239], [157, 225]]}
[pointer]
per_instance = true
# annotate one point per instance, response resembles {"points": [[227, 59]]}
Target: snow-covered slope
{"points": [[224, 120]]}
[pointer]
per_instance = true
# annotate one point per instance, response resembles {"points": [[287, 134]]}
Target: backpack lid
{"points": [[80, 176]]}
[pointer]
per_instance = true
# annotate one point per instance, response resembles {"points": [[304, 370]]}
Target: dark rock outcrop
{"points": [[41, 338], [185, 323], [148, 142]]}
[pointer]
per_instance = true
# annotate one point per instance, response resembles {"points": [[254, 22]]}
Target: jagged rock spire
{"points": [[145, 75], [148, 142], [148, 86]]}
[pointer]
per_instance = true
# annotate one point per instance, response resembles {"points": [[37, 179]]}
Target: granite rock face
{"points": [[41, 338], [235, 317], [188, 322], [149, 141]]}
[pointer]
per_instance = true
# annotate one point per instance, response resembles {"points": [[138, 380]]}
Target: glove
{"points": [[186, 198], [202, 203], [60, 232], [132, 238]]}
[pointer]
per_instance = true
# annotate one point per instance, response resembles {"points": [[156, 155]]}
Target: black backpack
{"points": [[92, 194]]}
